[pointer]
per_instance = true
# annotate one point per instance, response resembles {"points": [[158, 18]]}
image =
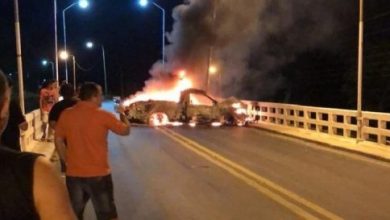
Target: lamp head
{"points": [[143, 3], [89, 45], [83, 4], [64, 55]]}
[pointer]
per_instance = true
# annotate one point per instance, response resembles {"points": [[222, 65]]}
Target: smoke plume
{"points": [[250, 39]]}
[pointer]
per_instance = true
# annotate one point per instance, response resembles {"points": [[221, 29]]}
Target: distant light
{"points": [[83, 4], [143, 3], [216, 124], [236, 105], [192, 124], [213, 69], [89, 45], [182, 74], [64, 55], [44, 62], [176, 123]]}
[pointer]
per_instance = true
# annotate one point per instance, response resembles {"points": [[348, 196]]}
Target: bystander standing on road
{"points": [[31, 189], [81, 137], [69, 100], [48, 96], [16, 122]]}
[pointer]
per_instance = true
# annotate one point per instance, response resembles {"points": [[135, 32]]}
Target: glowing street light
{"points": [[213, 70], [89, 45], [144, 3], [64, 55], [82, 4]]}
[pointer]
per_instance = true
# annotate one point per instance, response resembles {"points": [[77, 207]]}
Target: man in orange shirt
{"points": [[81, 138]]}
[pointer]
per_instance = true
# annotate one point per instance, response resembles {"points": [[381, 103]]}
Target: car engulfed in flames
{"points": [[195, 107]]}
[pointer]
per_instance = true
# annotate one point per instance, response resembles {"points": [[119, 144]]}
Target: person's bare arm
{"points": [[50, 195], [61, 147], [125, 120], [52, 124], [23, 126], [121, 110]]}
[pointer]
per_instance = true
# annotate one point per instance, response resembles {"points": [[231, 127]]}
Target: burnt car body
{"points": [[194, 106]]}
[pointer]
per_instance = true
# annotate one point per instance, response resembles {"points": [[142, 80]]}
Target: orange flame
{"points": [[173, 94]]}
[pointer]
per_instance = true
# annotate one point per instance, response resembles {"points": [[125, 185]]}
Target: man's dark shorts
{"points": [[98, 189]]}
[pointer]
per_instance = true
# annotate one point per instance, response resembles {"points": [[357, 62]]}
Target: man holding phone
{"points": [[81, 138]]}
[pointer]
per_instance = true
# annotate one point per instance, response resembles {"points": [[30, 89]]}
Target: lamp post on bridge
{"points": [[82, 4], [19, 56], [90, 45], [144, 3], [64, 55], [360, 74]]}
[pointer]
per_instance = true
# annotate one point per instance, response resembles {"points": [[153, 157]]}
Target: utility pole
{"points": [[74, 72], [104, 71], [360, 74], [19, 57]]}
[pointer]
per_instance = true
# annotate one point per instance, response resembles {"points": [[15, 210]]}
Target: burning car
{"points": [[195, 107]]}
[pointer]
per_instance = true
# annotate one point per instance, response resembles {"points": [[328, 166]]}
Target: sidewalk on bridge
{"points": [[42, 147], [369, 149]]}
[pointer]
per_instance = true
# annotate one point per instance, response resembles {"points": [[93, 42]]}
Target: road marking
{"points": [[323, 147], [265, 186]]}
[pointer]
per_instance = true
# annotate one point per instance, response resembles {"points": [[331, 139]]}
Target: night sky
{"points": [[309, 56], [130, 34]]}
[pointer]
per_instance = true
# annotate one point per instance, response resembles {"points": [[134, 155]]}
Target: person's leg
{"points": [[78, 196], [102, 196]]}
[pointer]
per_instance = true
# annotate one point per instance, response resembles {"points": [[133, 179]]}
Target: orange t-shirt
{"points": [[85, 128]]}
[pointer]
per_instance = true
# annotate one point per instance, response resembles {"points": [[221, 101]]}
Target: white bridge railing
{"points": [[34, 132], [327, 121], [324, 125]]}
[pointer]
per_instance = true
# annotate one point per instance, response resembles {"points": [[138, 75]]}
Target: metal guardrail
{"points": [[333, 122]]}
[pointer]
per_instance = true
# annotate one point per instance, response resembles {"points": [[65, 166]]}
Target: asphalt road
{"points": [[241, 173]]}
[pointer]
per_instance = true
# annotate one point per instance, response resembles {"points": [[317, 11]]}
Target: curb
{"points": [[325, 145]]}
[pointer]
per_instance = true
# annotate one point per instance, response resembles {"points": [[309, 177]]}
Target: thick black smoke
{"points": [[251, 38]]}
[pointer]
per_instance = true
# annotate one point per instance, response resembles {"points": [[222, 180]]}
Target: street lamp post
{"points": [[19, 56], [90, 45], [64, 55], [144, 3], [360, 74], [211, 48], [46, 62], [82, 4], [74, 72], [56, 41]]}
